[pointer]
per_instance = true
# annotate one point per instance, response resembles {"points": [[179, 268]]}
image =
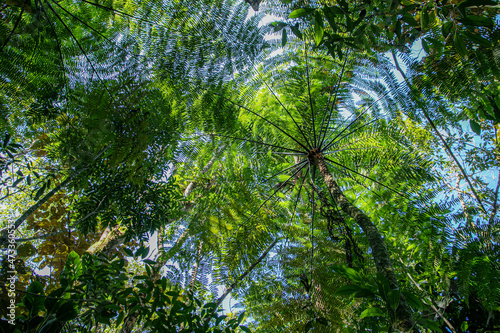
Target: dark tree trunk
{"points": [[404, 318]]}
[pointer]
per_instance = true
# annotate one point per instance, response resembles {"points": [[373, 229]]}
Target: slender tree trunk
{"points": [[131, 319], [196, 266], [404, 317]]}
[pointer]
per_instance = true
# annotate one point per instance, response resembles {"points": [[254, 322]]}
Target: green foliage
{"points": [[122, 106]]}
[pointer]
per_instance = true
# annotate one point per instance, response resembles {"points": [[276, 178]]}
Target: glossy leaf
{"points": [[300, 12], [372, 312]]}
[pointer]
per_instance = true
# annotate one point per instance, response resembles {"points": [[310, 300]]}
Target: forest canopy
{"points": [[328, 166]]}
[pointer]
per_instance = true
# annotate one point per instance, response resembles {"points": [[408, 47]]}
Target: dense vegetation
{"points": [[334, 170]]}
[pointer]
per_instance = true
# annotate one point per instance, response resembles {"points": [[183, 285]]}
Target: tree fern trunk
{"points": [[404, 317]]}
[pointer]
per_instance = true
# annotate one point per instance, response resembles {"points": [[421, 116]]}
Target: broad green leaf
{"points": [[477, 39], [67, 311], [300, 12], [330, 17], [296, 31], [413, 300], [318, 28], [240, 317], [470, 3], [430, 324], [459, 44], [245, 329], [278, 26], [424, 17], [372, 312], [446, 28], [425, 46], [348, 272], [477, 21], [475, 127], [34, 303], [408, 18], [383, 286], [393, 298], [284, 38], [348, 290]]}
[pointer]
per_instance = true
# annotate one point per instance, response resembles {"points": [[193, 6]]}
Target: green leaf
{"points": [[34, 303], [432, 325], [278, 26], [425, 46], [446, 29], [413, 300], [120, 318], [67, 311], [470, 3], [284, 38], [296, 31], [383, 286], [245, 329], [393, 298], [39, 193], [240, 317], [350, 289], [408, 18], [477, 21], [6, 140], [424, 18], [460, 45], [17, 182], [475, 127], [318, 28], [348, 272], [477, 39], [300, 12], [372, 312]]}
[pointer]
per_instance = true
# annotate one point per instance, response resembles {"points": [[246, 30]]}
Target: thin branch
{"points": [[334, 141], [13, 29], [333, 104], [495, 201], [367, 177], [81, 49], [310, 98], [282, 171], [286, 110], [267, 199], [450, 326], [258, 142], [22, 240], [296, 203], [263, 118], [447, 147], [242, 276]]}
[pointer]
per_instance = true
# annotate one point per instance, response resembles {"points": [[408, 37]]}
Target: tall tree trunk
{"points": [[404, 318]]}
